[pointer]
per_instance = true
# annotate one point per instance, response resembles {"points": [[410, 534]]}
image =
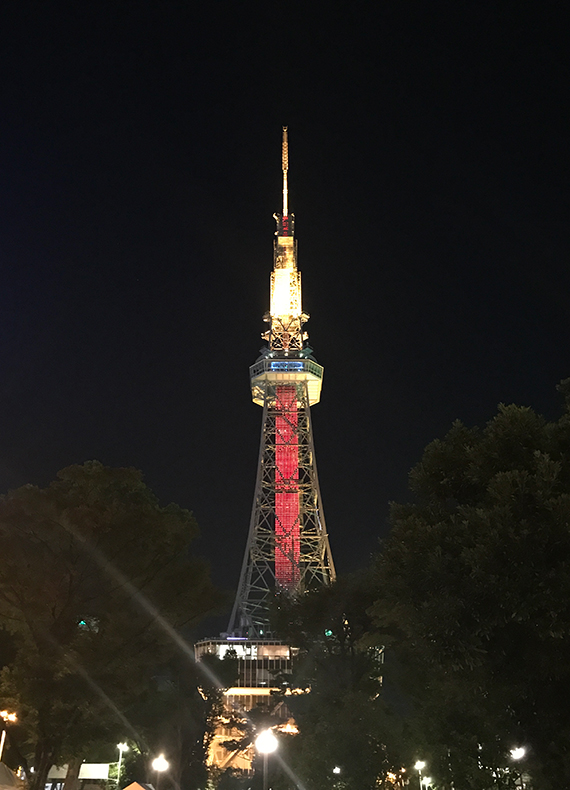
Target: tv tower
{"points": [[287, 548]]}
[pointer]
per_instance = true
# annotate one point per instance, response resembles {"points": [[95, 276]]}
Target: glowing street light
{"points": [[122, 747], [159, 764], [336, 769], [266, 743], [517, 754], [419, 766], [426, 780], [6, 716]]}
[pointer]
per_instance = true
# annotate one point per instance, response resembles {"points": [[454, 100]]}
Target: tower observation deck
{"points": [[287, 548]]}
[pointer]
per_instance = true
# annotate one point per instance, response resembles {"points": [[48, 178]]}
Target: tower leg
{"points": [[288, 547]]}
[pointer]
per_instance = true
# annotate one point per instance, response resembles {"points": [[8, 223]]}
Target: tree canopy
{"points": [[349, 737], [473, 598], [95, 575]]}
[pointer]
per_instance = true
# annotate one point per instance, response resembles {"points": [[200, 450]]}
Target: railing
{"points": [[286, 366]]}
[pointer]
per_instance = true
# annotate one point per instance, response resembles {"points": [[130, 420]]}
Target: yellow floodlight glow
{"points": [[290, 728], [285, 293], [281, 292], [8, 716]]}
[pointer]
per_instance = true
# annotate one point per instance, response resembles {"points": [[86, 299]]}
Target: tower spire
{"points": [[285, 168]]}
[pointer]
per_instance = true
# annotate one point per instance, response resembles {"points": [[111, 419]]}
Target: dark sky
{"points": [[140, 167]]}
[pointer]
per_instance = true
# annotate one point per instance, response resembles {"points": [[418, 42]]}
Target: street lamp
{"points": [[6, 716], [426, 780], [159, 764], [122, 747], [517, 754], [265, 743], [419, 766], [336, 769]]}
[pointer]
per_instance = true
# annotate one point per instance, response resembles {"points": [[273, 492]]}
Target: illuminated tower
{"points": [[287, 548]]}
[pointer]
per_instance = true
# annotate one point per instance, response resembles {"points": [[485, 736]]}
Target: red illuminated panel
{"points": [[287, 529]]}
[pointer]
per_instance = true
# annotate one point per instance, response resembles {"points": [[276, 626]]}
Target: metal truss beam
{"points": [[312, 557]]}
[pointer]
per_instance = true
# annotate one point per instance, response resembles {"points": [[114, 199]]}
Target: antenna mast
{"points": [[285, 168]]}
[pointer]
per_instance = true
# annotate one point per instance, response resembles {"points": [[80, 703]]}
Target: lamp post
{"points": [[159, 764], [265, 743], [419, 766], [6, 716], [517, 754], [122, 747]]}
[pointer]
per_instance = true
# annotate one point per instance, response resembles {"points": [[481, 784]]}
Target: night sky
{"points": [[140, 167]]}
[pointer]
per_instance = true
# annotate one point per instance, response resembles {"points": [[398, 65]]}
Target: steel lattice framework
{"points": [[288, 549]]}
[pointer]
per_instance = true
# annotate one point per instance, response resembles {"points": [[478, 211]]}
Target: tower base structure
{"points": [[263, 666]]}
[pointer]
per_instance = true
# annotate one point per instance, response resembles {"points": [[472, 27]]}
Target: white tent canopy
{"points": [[87, 771], [8, 779]]}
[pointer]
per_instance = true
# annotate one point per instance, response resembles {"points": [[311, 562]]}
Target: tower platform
{"points": [[282, 370]]}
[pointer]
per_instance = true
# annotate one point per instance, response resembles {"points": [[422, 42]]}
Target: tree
{"points": [[473, 595], [178, 714], [95, 578], [345, 721]]}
